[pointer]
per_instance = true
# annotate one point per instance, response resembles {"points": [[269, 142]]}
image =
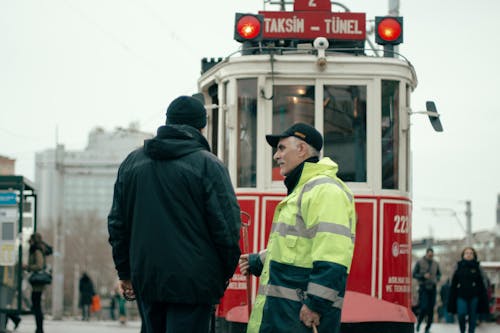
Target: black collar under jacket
{"points": [[293, 177], [174, 141], [468, 264]]}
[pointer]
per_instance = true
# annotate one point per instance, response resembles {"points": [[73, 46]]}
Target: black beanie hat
{"points": [[185, 110]]}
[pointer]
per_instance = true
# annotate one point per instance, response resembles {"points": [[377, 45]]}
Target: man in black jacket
{"points": [[174, 224]]}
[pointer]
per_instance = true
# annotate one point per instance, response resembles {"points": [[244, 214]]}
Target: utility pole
{"points": [[76, 289], [394, 11], [394, 7], [468, 215], [58, 269]]}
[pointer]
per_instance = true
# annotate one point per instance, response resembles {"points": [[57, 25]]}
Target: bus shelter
{"points": [[18, 199]]}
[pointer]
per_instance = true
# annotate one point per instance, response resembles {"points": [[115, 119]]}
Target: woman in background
{"points": [[467, 293], [86, 287], [36, 262]]}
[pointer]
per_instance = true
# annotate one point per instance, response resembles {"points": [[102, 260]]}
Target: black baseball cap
{"points": [[302, 131]]}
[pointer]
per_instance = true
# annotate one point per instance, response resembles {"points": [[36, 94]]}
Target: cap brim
{"points": [[273, 140]]}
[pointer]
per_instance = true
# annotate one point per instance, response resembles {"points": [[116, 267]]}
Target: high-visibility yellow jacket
{"points": [[308, 255]]}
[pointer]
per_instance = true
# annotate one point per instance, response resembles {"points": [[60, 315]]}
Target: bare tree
{"points": [[87, 250]]}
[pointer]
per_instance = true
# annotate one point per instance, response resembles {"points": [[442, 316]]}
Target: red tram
{"points": [[310, 65]]}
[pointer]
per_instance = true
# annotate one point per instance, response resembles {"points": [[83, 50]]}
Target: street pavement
{"points": [[27, 325], [77, 326]]}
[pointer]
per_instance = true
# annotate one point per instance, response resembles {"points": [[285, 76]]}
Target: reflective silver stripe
{"points": [[326, 293], [262, 256], [338, 303], [293, 294], [325, 180], [334, 229], [299, 230], [322, 226], [322, 291], [280, 292]]}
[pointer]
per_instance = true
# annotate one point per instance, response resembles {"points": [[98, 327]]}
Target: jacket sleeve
{"points": [[256, 262], [417, 274], [329, 209], [119, 234], [223, 217]]}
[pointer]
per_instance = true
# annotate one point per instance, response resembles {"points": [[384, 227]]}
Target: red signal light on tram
{"points": [[248, 27], [388, 30]]}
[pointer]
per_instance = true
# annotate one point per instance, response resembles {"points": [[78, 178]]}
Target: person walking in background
{"points": [[119, 301], [445, 296], [87, 291], [113, 297], [427, 273], [36, 262], [303, 272], [174, 224], [468, 295], [122, 310]]}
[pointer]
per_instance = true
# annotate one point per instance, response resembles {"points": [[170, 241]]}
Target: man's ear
{"points": [[302, 148]]}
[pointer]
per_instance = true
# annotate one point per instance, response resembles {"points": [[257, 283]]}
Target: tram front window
{"points": [[390, 134], [291, 104], [247, 132], [344, 111]]}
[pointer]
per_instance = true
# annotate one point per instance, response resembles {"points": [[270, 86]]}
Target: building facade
{"points": [[80, 183], [7, 166]]}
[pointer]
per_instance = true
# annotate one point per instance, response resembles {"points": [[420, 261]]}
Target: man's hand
{"points": [[309, 317], [127, 290], [244, 264]]}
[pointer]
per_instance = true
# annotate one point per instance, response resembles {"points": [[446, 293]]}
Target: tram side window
{"points": [[214, 119], [344, 110], [291, 104], [227, 132], [247, 133], [390, 134]]}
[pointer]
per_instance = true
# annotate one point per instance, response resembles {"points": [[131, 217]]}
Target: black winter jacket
{"points": [[174, 223], [467, 283]]}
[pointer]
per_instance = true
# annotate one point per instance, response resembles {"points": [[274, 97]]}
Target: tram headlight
{"points": [[388, 30], [248, 27]]}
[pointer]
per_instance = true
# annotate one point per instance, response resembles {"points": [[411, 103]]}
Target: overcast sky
{"points": [[78, 64]]}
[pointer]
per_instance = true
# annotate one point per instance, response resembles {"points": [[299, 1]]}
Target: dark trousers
{"points": [[86, 312], [159, 317], [36, 303], [427, 301], [467, 308]]}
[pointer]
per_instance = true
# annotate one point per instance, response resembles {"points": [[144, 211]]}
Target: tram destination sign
{"points": [[312, 24]]}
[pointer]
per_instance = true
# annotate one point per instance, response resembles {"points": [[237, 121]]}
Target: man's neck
{"points": [[293, 177]]}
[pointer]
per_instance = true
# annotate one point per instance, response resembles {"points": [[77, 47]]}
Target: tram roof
{"points": [[288, 64]]}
